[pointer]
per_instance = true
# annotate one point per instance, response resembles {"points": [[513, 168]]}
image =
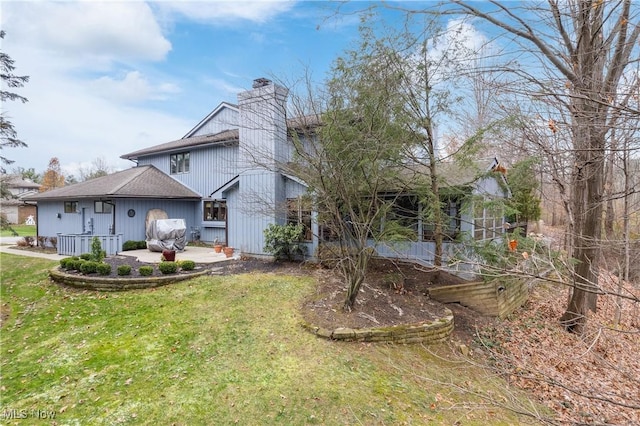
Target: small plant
{"points": [[85, 256], [284, 241], [103, 268], [187, 265], [134, 245], [54, 242], [96, 250], [25, 242], [64, 262], [89, 267], [42, 241], [146, 270], [129, 245], [168, 267], [124, 270], [75, 264]]}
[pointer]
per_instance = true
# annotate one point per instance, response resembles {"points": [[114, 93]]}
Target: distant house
{"points": [[222, 180], [14, 208]]}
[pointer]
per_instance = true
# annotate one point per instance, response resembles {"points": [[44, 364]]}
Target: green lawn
{"points": [[217, 350], [22, 230]]}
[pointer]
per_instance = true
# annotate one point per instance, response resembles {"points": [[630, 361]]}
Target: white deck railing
{"points": [[76, 244]]}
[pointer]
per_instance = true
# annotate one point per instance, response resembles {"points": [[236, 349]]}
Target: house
{"points": [[14, 207], [222, 179]]}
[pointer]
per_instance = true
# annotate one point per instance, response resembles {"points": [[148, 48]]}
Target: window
{"points": [[404, 212], [215, 210], [70, 206], [102, 207], [451, 207], [299, 211], [487, 221], [179, 163]]}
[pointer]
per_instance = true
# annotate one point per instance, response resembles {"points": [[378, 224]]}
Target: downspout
{"points": [[113, 216]]}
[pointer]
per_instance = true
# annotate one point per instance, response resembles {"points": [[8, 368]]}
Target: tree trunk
{"points": [[588, 207], [354, 270]]}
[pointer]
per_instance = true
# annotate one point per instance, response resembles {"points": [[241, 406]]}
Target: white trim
{"points": [[205, 120]]}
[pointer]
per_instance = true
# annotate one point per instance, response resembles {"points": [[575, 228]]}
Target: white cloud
{"points": [[134, 87], [228, 11], [93, 31]]}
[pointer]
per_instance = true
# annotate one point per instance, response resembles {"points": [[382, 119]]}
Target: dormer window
{"points": [[179, 163]]}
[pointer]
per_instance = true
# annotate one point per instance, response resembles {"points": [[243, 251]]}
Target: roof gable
{"points": [[223, 117], [137, 182]]}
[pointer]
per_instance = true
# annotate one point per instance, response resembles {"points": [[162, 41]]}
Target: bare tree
{"points": [[583, 48], [99, 167]]}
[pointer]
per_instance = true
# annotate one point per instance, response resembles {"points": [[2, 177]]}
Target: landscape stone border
{"points": [[436, 331], [119, 284]]}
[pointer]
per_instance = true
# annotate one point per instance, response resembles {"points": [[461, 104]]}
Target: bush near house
{"points": [[124, 270], [75, 264], [146, 271], [97, 254], [187, 265], [168, 267], [89, 267], [284, 242], [134, 245], [103, 269], [26, 241]]}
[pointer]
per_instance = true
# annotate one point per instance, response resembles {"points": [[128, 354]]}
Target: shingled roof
{"points": [[226, 136], [137, 182]]}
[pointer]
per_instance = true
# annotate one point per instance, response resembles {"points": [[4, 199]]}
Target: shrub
{"points": [[284, 241], [145, 270], [134, 245], [54, 242], [64, 262], [75, 264], [89, 267], [124, 270], [168, 267], [42, 241], [97, 254], [187, 265], [129, 245], [85, 256], [25, 242], [103, 268]]}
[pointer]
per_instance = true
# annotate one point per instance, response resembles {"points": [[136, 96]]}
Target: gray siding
{"points": [[132, 228], [209, 168], [225, 119]]}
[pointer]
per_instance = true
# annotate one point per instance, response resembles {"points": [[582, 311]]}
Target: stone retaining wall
{"points": [[498, 297], [427, 332], [118, 284]]}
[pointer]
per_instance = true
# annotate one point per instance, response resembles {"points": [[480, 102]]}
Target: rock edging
{"points": [[429, 332], [118, 284]]}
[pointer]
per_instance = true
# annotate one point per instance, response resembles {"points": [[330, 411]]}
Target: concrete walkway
{"points": [[28, 253], [197, 254]]}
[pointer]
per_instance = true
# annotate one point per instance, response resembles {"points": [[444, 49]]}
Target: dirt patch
{"points": [[393, 293], [5, 312]]}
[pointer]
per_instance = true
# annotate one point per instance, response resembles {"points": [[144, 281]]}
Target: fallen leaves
{"points": [[590, 379]]}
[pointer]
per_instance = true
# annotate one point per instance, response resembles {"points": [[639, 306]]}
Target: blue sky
{"points": [[108, 78]]}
